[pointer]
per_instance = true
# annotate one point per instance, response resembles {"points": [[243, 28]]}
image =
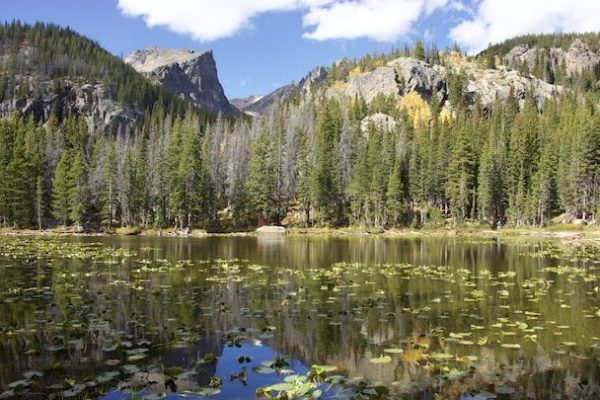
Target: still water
{"points": [[317, 317]]}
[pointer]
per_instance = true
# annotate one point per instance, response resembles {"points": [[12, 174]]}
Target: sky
{"points": [[260, 45]]}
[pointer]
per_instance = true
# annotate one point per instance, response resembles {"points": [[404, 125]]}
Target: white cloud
{"points": [[209, 20], [382, 20], [496, 20], [203, 20]]}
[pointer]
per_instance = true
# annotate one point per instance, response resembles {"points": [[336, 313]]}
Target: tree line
{"points": [[312, 162]]}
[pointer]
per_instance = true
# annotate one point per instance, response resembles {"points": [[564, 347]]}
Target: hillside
{"points": [[47, 69], [416, 137]]}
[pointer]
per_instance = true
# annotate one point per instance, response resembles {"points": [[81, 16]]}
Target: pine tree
{"points": [[21, 184], [395, 205], [461, 179], [79, 191], [109, 195], [303, 176], [192, 176], [522, 163], [491, 176], [325, 179], [62, 186], [260, 185], [419, 51]]}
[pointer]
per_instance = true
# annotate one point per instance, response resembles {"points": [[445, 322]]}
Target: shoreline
{"points": [[588, 233]]}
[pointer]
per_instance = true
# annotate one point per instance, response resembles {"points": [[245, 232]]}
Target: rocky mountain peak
{"points": [[148, 60], [190, 74]]}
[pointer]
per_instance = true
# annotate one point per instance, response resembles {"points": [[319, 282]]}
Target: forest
{"points": [[308, 161]]}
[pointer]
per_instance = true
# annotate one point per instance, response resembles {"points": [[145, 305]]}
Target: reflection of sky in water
{"points": [[387, 293], [228, 364]]}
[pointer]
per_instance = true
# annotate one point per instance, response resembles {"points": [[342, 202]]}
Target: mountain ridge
{"points": [[186, 73]]}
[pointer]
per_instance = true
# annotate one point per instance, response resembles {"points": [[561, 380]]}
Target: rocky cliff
{"points": [[92, 101], [408, 75], [577, 58], [189, 74]]}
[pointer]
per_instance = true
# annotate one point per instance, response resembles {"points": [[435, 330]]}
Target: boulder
{"points": [[271, 230]]}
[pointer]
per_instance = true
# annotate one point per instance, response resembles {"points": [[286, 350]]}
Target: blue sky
{"points": [[260, 45]]}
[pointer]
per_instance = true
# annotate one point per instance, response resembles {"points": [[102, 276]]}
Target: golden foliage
{"points": [[417, 109], [445, 114], [339, 86], [355, 72]]}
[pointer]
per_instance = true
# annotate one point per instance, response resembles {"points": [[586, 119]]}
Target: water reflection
{"points": [[467, 315]]}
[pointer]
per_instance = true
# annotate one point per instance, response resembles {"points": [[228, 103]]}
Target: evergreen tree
{"points": [[419, 50], [303, 178], [325, 180], [109, 213], [260, 185], [62, 187], [79, 191], [461, 178]]}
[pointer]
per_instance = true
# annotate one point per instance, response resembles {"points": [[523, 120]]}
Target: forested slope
{"points": [[417, 137]]}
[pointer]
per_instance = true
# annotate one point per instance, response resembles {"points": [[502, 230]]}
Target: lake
{"points": [[298, 317]]}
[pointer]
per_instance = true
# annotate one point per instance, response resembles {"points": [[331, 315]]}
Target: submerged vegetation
{"points": [[102, 317]]}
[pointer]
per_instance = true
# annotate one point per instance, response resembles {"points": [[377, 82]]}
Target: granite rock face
{"points": [[187, 73], [92, 101], [498, 82], [579, 57], [368, 85], [418, 76]]}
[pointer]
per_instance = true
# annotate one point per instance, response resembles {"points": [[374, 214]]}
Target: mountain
{"points": [[257, 105], [46, 69], [189, 74], [409, 138]]}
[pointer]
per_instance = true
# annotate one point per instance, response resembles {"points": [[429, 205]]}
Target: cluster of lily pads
{"points": [[82, 318]]}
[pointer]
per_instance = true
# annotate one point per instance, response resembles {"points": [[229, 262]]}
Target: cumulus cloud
{"points": [[382, 20], [209, 20], [203, 20], [496, 20]]}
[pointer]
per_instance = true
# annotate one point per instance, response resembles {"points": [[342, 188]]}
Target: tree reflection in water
{"points": [[462, 317]]}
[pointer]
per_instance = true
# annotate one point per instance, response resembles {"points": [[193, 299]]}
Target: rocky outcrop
{"points": [[519, 55], [381, 81], [187, 73], [490, 83], [92, 101], [418, 76], [579, 57], [398, 78], [378, 120], [317, 75]]}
